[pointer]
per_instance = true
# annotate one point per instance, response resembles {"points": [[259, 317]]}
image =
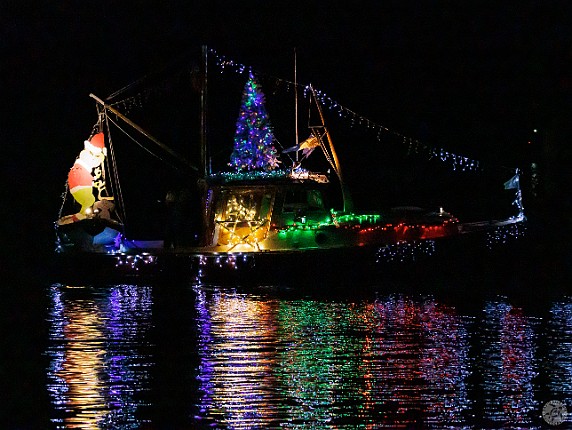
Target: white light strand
{"points": [[457, 162], [405, 252], [504, 235], [518, 198], [134, 262]]}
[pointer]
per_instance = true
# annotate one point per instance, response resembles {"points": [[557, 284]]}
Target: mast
{"points": [[295, 104], [204, 168], [346, 197]]}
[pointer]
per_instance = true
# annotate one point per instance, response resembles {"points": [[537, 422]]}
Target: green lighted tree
{"points": [[253, 139]]}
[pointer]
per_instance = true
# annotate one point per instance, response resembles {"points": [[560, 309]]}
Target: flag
{"points": [[309, 145], [512, 183], [306, 146], [291, 149]]}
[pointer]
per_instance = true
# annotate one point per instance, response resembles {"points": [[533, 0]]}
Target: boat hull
{"points": [[475, 251], [90, 235]]}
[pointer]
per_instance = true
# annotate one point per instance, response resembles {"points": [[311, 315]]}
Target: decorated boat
{"points": [[264, 217]]}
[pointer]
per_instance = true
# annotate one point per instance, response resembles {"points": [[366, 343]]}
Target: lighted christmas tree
{"points": [[253, 139]]}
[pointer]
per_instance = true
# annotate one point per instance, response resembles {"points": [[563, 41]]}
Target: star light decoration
{"points": [[240, 213], [253, 140]]}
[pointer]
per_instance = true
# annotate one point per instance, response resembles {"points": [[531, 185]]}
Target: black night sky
{"points": [[474, 77]]}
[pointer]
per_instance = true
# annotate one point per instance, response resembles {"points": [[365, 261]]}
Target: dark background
{"points": [[475, 78]]}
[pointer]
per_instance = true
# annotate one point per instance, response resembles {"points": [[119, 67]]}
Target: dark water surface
{"points": [[466, 352], [188, 356]]}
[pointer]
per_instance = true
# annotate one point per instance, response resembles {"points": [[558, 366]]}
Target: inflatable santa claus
{"points": [[80, 177]]}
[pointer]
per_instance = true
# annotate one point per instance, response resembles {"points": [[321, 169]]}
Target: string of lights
{"points": [[414, 146], [457, 162], [134, 262], [405, 252], [503, 235]]}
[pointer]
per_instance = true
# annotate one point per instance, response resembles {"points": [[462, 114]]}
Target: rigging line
{"points": [[223, 63], [116, 184], [325, 151], [144, 78], [144, 133], [127, 87], [282, 147], [145, 148], [64, 198], [101, 117]]}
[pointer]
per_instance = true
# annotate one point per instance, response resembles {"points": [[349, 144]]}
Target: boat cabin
{"points": [[246, 213]]}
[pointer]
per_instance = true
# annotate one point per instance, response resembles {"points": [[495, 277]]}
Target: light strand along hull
{"points": [[479, 251]]}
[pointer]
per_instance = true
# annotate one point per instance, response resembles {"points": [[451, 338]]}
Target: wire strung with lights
{"points": [[414, 146], [134, 262], [514, 184], [457, 162], [504, 235], [405, 252]]}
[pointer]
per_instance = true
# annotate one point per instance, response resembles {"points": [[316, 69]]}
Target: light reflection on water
{"points": [[509, 365], [558, 365], [268, 360], [393, 361], [97, 370]]}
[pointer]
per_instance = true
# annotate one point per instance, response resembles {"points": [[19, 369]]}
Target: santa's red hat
{"points": [[96, 144]]}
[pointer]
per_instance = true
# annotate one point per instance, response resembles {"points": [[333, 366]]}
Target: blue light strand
{"points": [[518, 197], [457, 162], [250, 175], [504, 235]]}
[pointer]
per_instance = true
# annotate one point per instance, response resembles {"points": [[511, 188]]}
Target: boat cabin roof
{"points": [[221, 181]]}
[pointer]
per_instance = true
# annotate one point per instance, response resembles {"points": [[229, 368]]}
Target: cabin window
{"points": [[303, 199], [243, 216], [315, 199], [304, 206]]}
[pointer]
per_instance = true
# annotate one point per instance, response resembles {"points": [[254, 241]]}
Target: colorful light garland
{"points": [[253, 141], [250, 175], [351, 218]]}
